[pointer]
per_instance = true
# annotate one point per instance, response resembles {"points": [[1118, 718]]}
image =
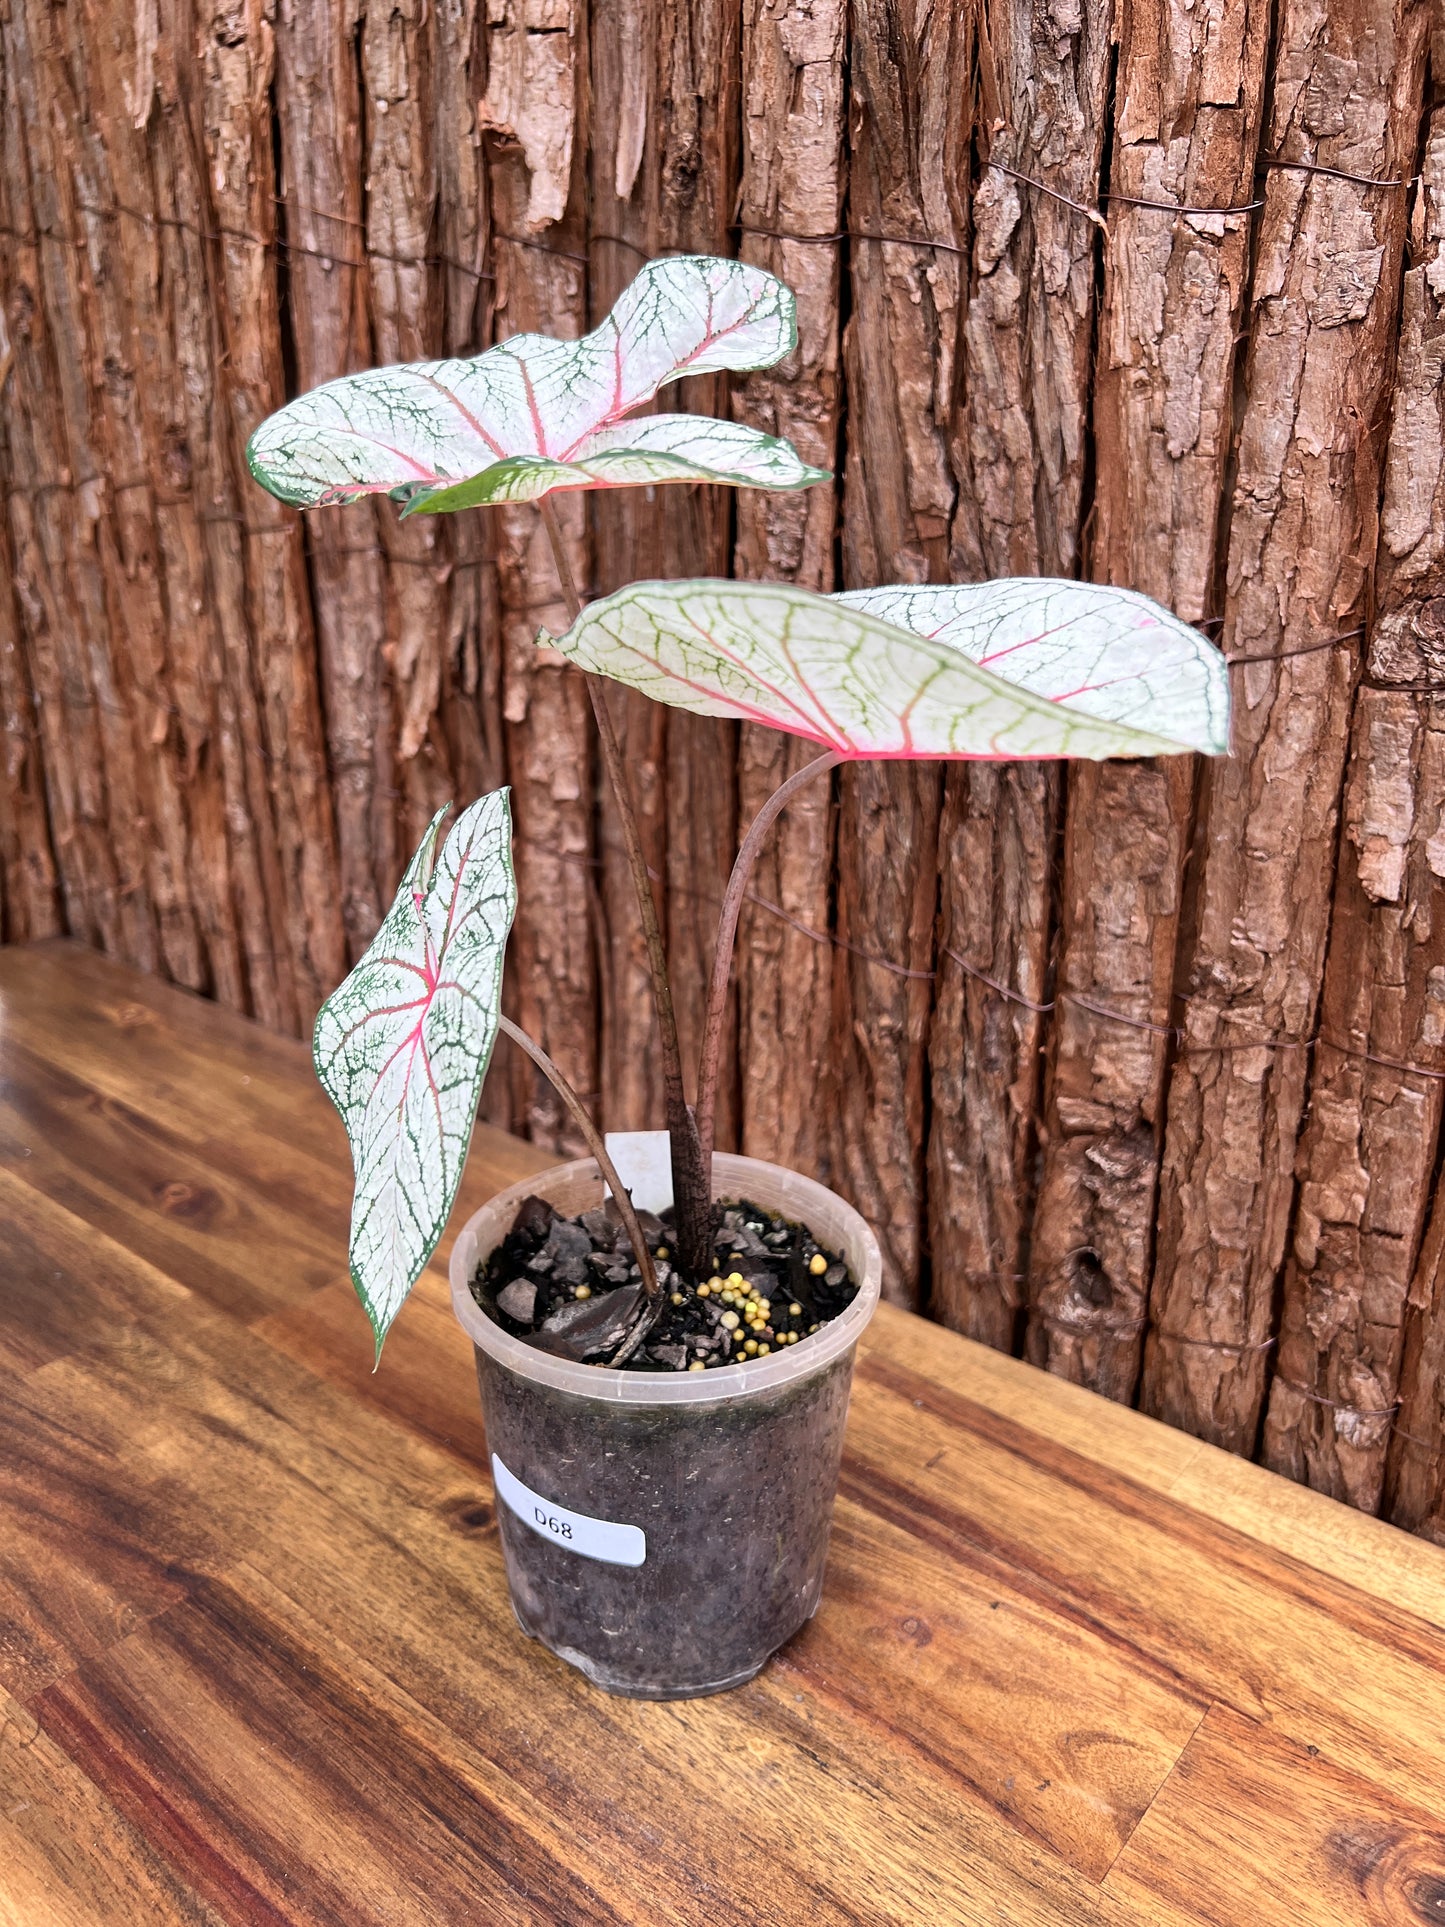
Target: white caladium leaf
{"points": [[402, 1047], [1025, 667], [536, 414]]}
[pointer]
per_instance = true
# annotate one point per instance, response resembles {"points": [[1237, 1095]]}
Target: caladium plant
{"points": [[534, 415], [403, 1045], [1021, 668]]}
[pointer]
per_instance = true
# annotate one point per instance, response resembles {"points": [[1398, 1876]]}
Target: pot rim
{"points": [[786, 1191]]}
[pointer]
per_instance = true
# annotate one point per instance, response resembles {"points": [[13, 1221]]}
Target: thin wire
{"points": [[1213, 1344], [283, 244], [1013, 996], [1335, 1404], [1179, 207], [1081, 1330], [1335, 173], [1042, 187], [1117, 1016], [1306, 649], [1390, 1063]]}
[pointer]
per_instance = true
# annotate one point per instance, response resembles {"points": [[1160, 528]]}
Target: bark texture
{"points": [[1020, 450], [793, 185], [692, 173], [535, 97], [626, 548], [910, 132], [1189, 91], [1347, 96], [1417, 1454], [1369, 1152], [1136, 1068]]}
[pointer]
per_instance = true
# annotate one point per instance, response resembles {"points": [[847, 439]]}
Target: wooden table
{"points": [[1070, 1666]]}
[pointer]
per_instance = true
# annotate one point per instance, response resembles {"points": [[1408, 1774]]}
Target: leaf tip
{"points": [[379, 1326]]}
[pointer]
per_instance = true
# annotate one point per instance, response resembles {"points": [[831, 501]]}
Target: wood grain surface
{"points": [[257, 1663]]}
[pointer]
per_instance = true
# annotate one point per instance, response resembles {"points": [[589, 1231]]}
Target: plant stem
{"points": [[727, 930], [595, 1144], [692, 1194]]}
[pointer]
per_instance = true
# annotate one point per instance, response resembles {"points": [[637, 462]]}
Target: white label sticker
{"points": [[644, 1164], [594, 1538]]}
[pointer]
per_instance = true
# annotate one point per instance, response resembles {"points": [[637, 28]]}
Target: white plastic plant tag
{"points": [[644, 1164], [600, 1539]]}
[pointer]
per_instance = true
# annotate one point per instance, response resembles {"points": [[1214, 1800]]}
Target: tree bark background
{"points": [[1137, 1070]]}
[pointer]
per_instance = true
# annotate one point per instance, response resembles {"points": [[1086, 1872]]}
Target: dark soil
{"points": [[572, 1286]]}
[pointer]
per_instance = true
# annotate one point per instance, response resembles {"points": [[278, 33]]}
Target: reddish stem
{"points": [[595, 1144], [727, 930]]}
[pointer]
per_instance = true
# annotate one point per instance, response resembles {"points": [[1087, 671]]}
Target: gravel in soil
{"points": [[572, 1286]]}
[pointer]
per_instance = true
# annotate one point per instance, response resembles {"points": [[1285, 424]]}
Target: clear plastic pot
{"points": [[666, 1532]]}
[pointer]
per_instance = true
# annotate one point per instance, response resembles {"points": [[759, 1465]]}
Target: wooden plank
{"points": [[69, 1858], [430, 1380], [1302, 535], [84, 1552], [1201, 1602], [248, 1755], [1303, 1525], [230, 1452], [154, 1439], [245, 1103], [1256, 1827], [1040, 1717], [757, 1765], [245, 1243]]}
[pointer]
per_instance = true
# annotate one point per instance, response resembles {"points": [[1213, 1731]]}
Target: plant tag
{"points": [[600, 1539], [644, 1164]]}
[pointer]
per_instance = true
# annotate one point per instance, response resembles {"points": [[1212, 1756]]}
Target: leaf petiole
{"points": [[595, 1144], [692, 1194]]}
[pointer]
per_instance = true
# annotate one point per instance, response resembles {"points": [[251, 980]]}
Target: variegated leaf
{"points": [[402, 1047], [535, 414], [1021, 668]]}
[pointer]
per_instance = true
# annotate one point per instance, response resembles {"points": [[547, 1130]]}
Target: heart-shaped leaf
{"points": [[535, 414], [402, 1047], [1026, 667]]}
